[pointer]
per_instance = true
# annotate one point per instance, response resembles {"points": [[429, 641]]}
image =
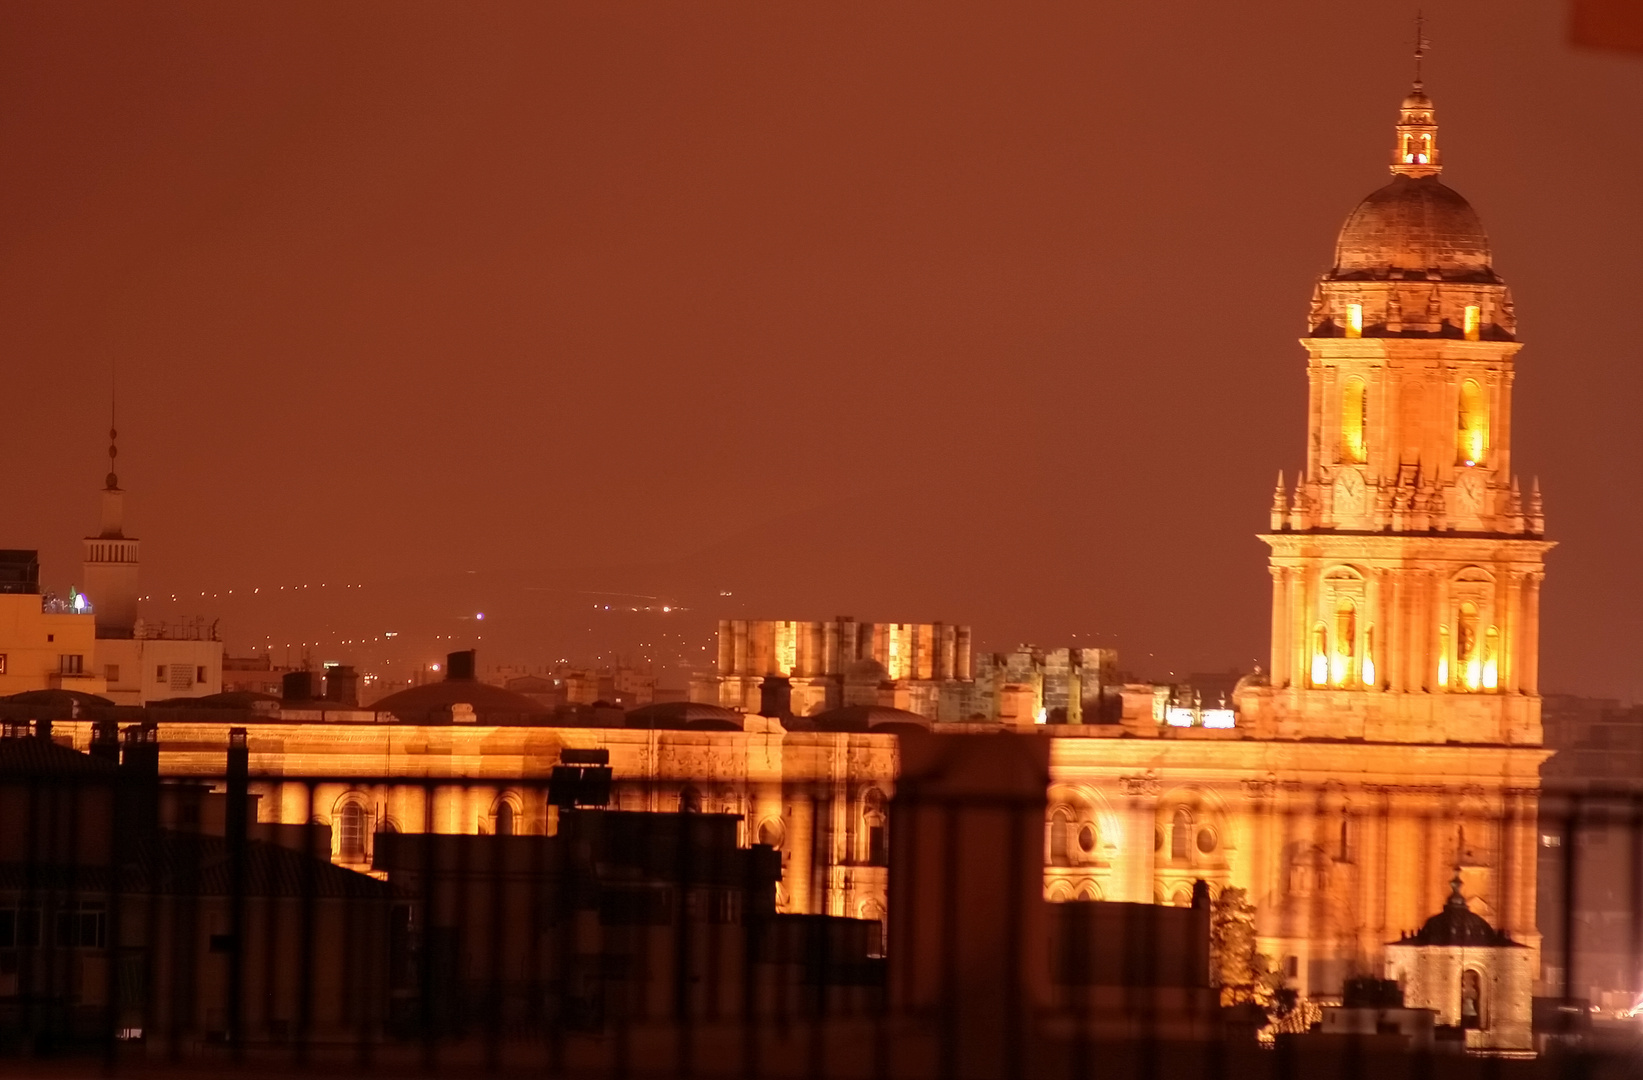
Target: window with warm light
{"points": [[1320, 656], [1472, 322], [1443, 656], [1491, 659], [1369, 656], [1346, 639], [1354, 320], [1354, 421], [1468, 649], [1472, 424]]}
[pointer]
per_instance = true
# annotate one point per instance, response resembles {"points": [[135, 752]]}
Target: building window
{"points": [[1473, 319], [690, 800], [199, 675], [1472, 425], [351, 832], [1320, 656], [1354, 320], [2, 663], [159, 673], [1471, 1001], [504, 818], [1468, 649], [1180, 839], [68, 664], [1087, 839], [84, 927], [770, 833], [111, 673], [1207, 841], [1346, 641], [875, 822], [1061, 826], [1354, 421]]}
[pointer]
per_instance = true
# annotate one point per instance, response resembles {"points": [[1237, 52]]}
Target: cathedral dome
{"points": [[1458, 924], [1414, 227]]}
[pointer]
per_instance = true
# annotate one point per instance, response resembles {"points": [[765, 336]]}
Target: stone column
{"points": [[1396, 651], [1301, 637], [1140, 824], [1280, 626], [1531, 633]]}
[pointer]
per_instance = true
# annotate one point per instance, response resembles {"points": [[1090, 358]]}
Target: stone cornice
{"points": [[1397, 549], [1432, 350]]}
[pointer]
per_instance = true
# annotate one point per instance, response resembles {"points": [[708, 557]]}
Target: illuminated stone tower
{"points": [[111, 562], [1407, 560]]}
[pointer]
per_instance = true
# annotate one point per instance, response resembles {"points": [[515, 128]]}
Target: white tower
{"points": [[111, 562]]}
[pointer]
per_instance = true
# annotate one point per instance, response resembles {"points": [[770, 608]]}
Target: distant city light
{"points": [[481, 615]]}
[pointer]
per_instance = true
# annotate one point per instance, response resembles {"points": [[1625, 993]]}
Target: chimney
{"points": [[105, 741], [140, 754], [297, 686], [42, 729], [459, 666], [342, 685], [239, 785], [776, 697], [138, 798]]}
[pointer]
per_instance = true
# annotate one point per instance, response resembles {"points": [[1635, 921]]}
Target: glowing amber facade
{"points": [[1406, 562]]}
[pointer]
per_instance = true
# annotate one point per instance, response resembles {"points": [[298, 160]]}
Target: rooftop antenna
{"points": [[1421, 45]]}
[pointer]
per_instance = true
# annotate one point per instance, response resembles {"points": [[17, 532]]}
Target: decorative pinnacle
{"points": [[113, 452]]}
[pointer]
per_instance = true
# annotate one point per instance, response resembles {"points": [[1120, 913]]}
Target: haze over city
{"points": [[765, 312]]}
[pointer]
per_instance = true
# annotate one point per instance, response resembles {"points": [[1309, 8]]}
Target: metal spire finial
{"points": [[1421, 45], [113, 432]]}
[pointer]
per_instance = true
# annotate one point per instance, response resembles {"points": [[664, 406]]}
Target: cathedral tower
{"points": [[1407, 559]]}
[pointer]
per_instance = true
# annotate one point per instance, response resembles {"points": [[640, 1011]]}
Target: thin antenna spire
{"points": [[1421, 45], [113, 430]]}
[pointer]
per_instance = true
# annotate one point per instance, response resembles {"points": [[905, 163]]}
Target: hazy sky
{"points": [[917, 312]]}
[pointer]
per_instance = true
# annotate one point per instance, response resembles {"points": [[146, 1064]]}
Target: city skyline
{"points": [[912, 340]]}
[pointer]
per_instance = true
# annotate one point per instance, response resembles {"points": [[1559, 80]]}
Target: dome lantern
{"points": [[1415, 150]]}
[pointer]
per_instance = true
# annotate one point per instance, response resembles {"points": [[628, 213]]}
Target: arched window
{"points": [[1180, 837], [690, 800], [1346, 641], [351, 832], [874, 911], [1471, 1001], [1468, 649], [504, 818], [1472, 425], [1491, 659], [874, 826], [1061, 827], [1087, 838], [1354, 421]]}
